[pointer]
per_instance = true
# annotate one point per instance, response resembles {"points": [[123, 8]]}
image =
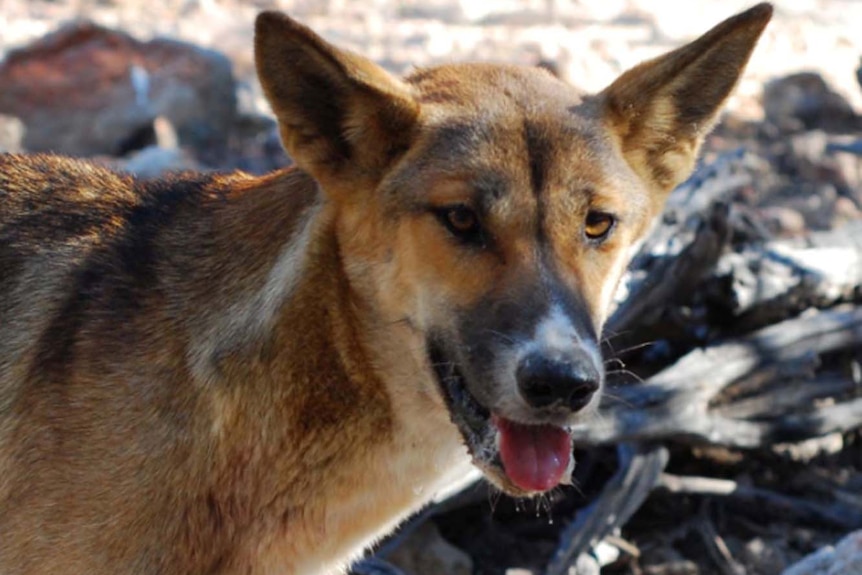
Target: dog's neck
{"points": [[356, 389]]}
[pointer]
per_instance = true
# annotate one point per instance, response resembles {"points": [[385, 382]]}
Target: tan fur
{"points": [[230, 374]]}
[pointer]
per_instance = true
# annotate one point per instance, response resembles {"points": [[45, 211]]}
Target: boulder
{"points": [[843, 559], [804, 101], [11, 134], [88, 90]]}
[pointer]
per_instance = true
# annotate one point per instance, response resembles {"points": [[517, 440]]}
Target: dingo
{"points": [[235, 374]]}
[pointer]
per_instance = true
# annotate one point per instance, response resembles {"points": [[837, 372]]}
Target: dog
{"points": [[234, 374]]}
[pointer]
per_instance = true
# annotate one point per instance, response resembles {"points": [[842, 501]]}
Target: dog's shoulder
{"points": [[82, 243]]}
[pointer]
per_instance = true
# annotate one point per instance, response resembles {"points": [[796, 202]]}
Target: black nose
{"points": [[568, 382]]}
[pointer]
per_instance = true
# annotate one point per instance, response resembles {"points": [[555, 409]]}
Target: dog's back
{"points": [[85, 251], [106, 286]]}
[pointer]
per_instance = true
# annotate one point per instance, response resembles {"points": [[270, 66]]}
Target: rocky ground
{"points": [[109, 86], [590, 41]]}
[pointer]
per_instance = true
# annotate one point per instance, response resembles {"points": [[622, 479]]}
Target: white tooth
{"points": [[567, 475]]}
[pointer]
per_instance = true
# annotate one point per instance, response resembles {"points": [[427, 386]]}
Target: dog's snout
{"points": [[569, 383]]}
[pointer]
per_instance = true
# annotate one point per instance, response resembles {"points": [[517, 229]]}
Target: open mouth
{"points": [[520, 458]]}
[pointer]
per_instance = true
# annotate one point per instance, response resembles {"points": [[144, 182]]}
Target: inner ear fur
{"points": [[661, 110], [340, 115]]}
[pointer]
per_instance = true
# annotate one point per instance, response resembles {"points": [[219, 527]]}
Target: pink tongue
{"points": [[535, 457]]}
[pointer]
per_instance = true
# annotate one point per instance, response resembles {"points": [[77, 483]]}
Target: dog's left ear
{"points": [[660, 111], [342, 118]]}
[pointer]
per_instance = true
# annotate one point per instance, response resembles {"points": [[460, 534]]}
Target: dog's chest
{"points": [[424, 462], [420, 470]]}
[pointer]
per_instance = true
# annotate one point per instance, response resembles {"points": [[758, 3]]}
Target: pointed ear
{"points": [[661, 110], [341, 116]]}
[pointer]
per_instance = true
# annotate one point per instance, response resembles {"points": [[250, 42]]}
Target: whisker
{"points": [[577, 487], [609, 335], [636, 347], [620, 400], [627, 372], [494, 496], [501, 335]]}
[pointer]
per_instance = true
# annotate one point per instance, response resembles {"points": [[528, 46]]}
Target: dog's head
{"points": [[493, 209]]}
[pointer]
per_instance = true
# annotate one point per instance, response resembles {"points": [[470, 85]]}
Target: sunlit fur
{"points": [[230, 374]]}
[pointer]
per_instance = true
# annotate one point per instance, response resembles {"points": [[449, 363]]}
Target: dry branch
{"points": [[771, 282], [639, 471], [685, 244], [675, 404], [800, 510]]}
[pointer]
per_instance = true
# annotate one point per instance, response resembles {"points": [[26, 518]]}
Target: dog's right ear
{"points": [[342, 118], [660, 111]]}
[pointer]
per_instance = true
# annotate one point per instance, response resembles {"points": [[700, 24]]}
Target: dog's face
{"points": [[508, 226], [493, 210]]}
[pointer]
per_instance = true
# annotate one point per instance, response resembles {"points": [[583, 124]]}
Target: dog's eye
{"points": [[462, 219], [462, 222], [598, 225]]}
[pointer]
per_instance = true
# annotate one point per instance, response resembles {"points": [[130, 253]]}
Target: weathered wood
{"points": [[673, 274], [768, 283], [767, 502], [787, 394], [375, 566], [639, 470], [685, 244], [715, 545], [688, 254], [675, 403]]}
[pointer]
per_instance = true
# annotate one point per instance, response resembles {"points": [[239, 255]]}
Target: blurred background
{"points": [[590, 41], [586, 42]]}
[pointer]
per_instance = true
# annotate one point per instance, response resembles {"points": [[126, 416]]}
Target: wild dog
{"points": [[236, 374]]}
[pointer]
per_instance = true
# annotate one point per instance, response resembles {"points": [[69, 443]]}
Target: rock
{"points": [[11, 134], [256, 146], [162, 157], [818, 156], [843, 559], [782, 221], [87, 90], [425, 552], [820, 172], [763, 556], [804, 101], [153, 162], [846, 211]]}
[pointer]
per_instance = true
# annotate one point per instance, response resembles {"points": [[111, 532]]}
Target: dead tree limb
{"points": [[771, 282], [802, 510], [685, 244], [675, 404], [639, 471], [672, 274]]}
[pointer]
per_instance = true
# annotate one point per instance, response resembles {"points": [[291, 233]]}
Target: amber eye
{"points": [[462, 222], [598, 225], [462, 219]]}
